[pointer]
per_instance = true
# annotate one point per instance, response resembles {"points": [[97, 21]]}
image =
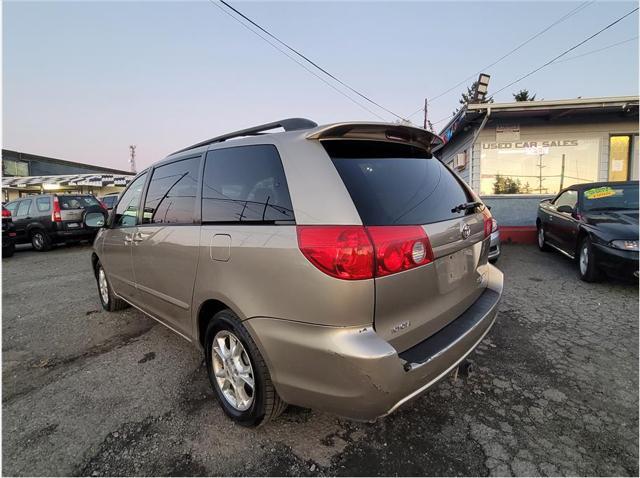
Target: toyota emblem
{"points": [[465, 231]]}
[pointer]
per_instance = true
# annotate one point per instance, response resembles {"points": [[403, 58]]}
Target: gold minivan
{"points": [[338, 267]]}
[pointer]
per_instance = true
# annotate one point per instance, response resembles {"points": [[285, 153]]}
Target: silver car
{"points": [[337, 267]]}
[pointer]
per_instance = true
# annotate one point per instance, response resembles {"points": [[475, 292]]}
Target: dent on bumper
{"points": [[351, 371]]}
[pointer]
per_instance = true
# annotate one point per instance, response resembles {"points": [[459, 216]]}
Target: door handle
{"points": [[139, 237]]}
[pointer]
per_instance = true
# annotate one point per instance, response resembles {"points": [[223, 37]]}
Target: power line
{"points": [[566, 51], [310, 61], [595, 51], [298, 62], [527, 41]]}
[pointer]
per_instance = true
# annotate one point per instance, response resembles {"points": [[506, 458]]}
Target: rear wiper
{"points": [[466, 206]]}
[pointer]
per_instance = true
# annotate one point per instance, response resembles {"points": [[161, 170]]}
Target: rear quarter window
{"points": [[397, 184], [77, 202], [43, 204]]}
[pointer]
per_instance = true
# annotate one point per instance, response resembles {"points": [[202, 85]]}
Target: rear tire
{"points": [[40, 240], [108, 299], [587, 267], [542, 241], [262, 401]]}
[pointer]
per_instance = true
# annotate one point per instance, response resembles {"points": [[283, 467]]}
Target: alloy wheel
{"points": [[233, 371], [103, 286], [541, 237], [584, 259], [38, 240]]}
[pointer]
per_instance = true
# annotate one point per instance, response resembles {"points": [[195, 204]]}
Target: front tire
{"points": [[108, 299], [587, 267], [542, 240], [40, 240], [238, 373]]}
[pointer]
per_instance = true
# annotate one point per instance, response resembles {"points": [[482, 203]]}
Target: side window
{"points": [[12, 207], [126, 214], [245, 184], [23, 208], [43, 204], [171, 197], [567, 198]]}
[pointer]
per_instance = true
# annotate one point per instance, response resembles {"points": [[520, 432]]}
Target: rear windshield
{"points": [[396, 184], [110, 201], [611, 198], [77, 202]]}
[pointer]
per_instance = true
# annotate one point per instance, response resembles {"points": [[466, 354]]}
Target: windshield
{"points": [[614, 197]]}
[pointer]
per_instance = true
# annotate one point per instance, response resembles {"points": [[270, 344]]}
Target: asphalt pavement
{"points": [[86, 392]]}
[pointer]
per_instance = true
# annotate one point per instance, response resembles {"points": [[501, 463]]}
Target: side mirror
{"points": [[94, 220], [566, 209]]}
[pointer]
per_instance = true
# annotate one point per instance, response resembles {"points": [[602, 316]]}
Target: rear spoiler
{"points": [[405, 134]]}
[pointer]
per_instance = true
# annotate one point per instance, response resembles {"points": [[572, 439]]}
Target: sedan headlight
{"points": [[625, 245]]}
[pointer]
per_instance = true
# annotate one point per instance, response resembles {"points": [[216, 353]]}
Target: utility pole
{"points": [[132, 158], [425, 113], [562, 173], [540, 166]]}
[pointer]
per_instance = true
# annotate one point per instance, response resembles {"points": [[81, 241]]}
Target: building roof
{"points": [[98, 180], [11, 154], [625, 106]]}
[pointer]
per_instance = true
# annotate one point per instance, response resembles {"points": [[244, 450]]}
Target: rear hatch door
{"points": [[398, 185], [73, 207]]}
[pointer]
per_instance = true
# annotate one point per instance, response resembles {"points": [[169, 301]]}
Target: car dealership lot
{"points": [[555, 389]]}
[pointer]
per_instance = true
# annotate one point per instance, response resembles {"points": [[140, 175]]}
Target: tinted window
{"points": [[43, 204], [245, 184], [77, 202], [110, 201], [127, 211], [12, 206], [23, 208], [567, 198], [171, 198], [396, 184], [614, 197]]}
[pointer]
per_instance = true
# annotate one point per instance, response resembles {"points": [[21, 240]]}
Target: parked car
{"points": [[8, 234], [47, 219], [109, 200], [338, 267], [494, 242], [596, 224]]}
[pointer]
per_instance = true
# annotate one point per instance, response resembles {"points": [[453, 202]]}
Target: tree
{"points": [[506, 185], [523, 95], [467, 98]]}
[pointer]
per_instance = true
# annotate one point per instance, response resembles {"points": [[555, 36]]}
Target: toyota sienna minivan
{"points": [[338, 267]]}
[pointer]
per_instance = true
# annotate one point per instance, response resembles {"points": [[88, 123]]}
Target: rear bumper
{"points": [[70, 234], [353, 372], [616, 261]]}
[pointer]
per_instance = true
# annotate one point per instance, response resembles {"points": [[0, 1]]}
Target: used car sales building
{"points": [[516, 154]]}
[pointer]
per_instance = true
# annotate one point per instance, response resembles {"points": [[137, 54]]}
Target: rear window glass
{"points": [[77, 202], [245, 184], [396, 184], [43, 204]]}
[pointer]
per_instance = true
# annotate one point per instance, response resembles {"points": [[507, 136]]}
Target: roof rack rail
{"points": [[288, 124]]}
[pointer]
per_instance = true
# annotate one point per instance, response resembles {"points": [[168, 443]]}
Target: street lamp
{"points": [[482, 86]]}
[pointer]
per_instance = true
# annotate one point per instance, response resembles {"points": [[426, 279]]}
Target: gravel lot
{"points": [[86, 392]]}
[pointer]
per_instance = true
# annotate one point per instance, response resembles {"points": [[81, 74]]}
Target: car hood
{"points": [[614, 224]]}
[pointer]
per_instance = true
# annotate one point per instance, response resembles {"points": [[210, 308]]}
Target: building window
{"points": [[538, 165], [619, 155], [12, 167]]}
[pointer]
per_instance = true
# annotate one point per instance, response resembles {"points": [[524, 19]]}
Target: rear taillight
{"points": [[344, 252], [6, 213], [399, 248], [488, 223], [55, 215], [358, 252]]}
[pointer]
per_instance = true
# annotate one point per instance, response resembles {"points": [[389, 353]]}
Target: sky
{"points": [[84, 80]]}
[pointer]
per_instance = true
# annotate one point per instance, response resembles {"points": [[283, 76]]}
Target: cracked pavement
{"points": [[85, 392]]}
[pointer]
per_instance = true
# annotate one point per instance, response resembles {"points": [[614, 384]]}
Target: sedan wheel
{"points": [[587, 266], [103, 286], [584, 259], [542, 242]]}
